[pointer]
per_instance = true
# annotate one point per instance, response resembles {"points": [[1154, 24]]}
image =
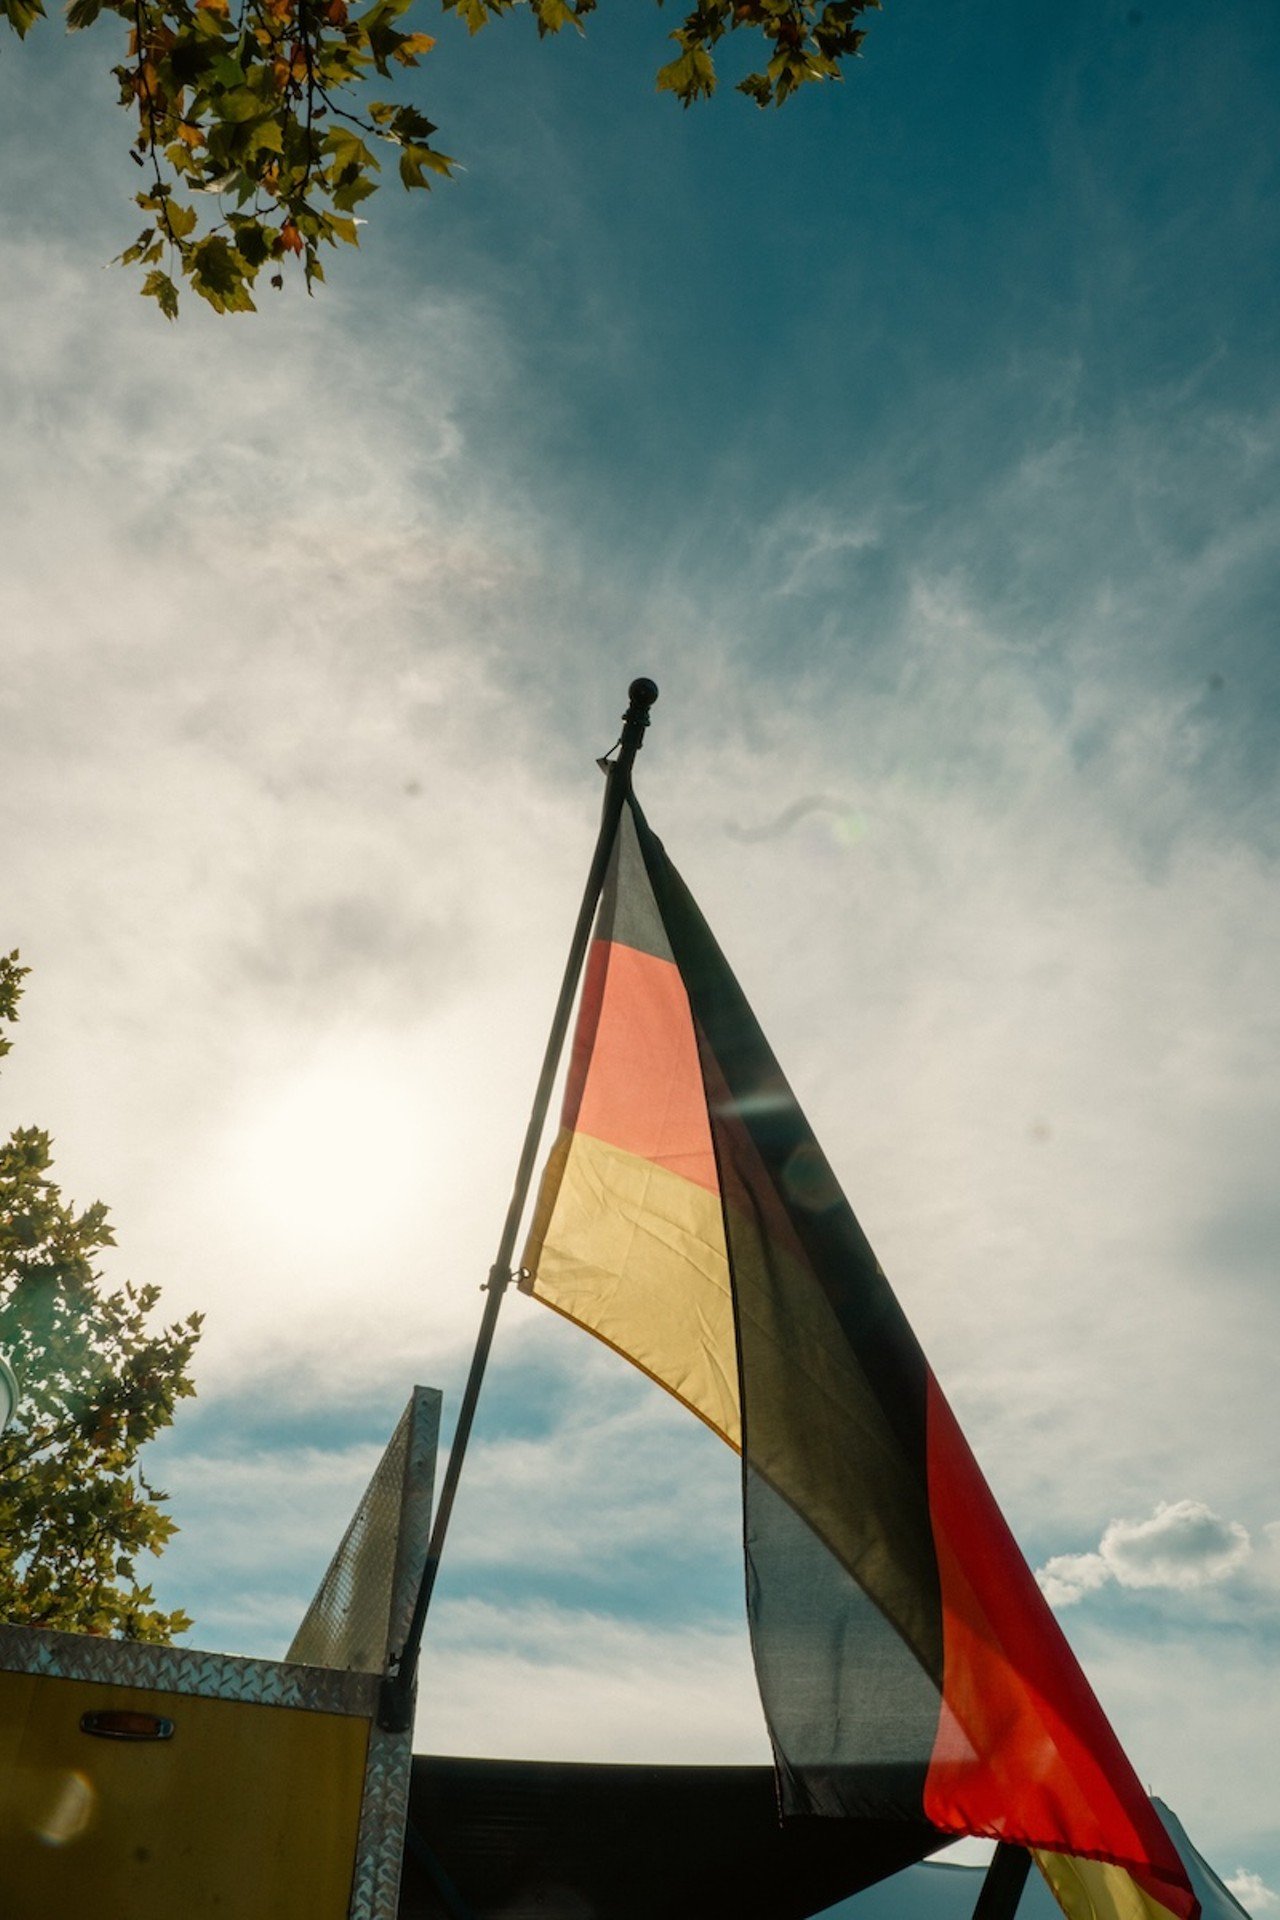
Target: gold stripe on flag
{"points": [[636, 1255], [1095, 1890]]}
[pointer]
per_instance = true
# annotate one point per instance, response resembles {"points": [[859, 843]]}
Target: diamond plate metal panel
{"points": [[209, 1676], [415, 1518], [384, 1813], [375, 1889]]}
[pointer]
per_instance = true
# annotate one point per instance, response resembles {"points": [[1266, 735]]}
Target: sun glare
{"points": [[335, 1158]]}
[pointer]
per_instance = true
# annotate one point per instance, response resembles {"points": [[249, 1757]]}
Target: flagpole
{"points": [[395, 1706], [1003, 1882]]}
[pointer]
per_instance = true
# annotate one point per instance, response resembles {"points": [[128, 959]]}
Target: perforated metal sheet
{"points": [[347, 1623]]}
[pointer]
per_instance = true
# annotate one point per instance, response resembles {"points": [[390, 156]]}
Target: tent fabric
{"points": [[551, 1840], [548, 1840], [908, 1664]]}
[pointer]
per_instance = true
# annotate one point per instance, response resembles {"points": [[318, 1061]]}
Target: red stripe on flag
{"points": [[634, 1077], [1023, 1750]]}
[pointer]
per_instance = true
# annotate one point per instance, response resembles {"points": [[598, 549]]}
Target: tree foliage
{"points": [[247, 127], [97, 1380]]}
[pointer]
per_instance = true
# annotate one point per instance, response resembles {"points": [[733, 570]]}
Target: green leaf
{"points": [[552, 15], [190, 59], [82, 13], [347, 196], [690, 76], [220, 275], [252, 241], [22, 15], [402, 123], [227, 71], [240, 104], [474, 12], [180, 221], [348, 149], [266, 137], [159, 287], [413, 159], [383, 12]]}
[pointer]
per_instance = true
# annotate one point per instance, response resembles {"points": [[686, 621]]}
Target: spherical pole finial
{"points": [[642, 694]]}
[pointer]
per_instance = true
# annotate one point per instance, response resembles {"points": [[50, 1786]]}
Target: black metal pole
{"points": [[1003, 1883], [395, 1708]]}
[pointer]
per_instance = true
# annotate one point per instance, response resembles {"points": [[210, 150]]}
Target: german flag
{"points": [[908, 1664]]}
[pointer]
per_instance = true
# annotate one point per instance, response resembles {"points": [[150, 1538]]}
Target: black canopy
{"points": [[553, 1840]]}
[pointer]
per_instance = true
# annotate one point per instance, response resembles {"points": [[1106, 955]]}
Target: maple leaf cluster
{"points": [[96, 1380], [255, 122]]}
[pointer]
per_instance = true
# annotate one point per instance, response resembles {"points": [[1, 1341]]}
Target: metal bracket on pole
{"points": [[395, 1711]]}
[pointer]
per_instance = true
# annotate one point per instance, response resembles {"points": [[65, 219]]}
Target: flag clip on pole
{"points": [[395, 1708], [1003, 1882]]}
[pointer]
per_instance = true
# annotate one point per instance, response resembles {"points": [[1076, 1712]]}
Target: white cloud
{"points": [[566, 1684], [1066, 1577], [623, 1481], [1252, 1891], [1181, 1546]]}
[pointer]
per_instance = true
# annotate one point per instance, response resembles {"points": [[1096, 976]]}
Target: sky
{"points": [[921, 440]]}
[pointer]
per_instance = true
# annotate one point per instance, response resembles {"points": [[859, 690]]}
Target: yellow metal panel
{"points": [[248, 1813]]}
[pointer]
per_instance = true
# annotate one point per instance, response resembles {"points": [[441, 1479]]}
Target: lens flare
{"points": [[69, 1810], [809, 1181]]}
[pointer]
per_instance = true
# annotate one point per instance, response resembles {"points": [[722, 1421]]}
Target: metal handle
{"points": [[120, 1723]]}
